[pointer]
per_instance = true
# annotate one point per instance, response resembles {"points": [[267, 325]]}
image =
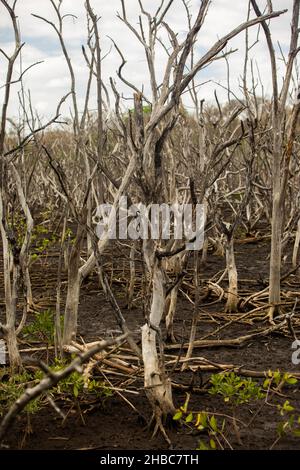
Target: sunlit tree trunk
{"points": [[232, 299]]}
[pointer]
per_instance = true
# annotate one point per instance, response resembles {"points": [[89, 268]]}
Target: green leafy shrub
{"points": [[42, 328], [278, 379], [12, 389], [235, 389], [290, 425], [203, 422], [75, 385]]}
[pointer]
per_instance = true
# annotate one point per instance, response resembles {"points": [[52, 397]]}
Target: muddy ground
{"points": [[112, 423]]}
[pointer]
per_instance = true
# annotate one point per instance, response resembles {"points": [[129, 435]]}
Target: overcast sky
{"points": [[49, 81]]}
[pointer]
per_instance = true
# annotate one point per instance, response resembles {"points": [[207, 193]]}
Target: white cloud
{"points": [[50, 80]]}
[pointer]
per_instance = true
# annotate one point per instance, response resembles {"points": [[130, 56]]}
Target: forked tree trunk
{"points": [[157, 384], [232, 299], [77, 273]]}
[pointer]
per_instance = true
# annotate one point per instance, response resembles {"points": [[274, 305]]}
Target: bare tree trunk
{"points": [[193, 332], [172, 304], [157, 384], [279, 177], [24, 253], [132, 276], [280, 184], [12, 345], [10, 290], [275, 261], [58, 346], [74, 281], [176, 264], [204, 251], [232, 299], [296, 245]]}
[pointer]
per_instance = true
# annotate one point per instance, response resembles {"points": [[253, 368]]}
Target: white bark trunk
{"points": [[74, 281], [296, 245], [12, 347], [275, 260], [10, 292], [171, 314], [157, 385], [232, 299]]}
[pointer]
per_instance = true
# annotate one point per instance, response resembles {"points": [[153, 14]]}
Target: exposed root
{"points": [[158, 418]]}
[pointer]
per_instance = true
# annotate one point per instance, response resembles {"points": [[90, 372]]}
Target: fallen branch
{"points": [[116, 363], [210, 366], [229, 342]]}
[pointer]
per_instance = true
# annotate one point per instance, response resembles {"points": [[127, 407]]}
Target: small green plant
{"points": [[13, 388], [42, 240], [69, 235], [291, 423], [203, 422], [278, 380], [42, 328], [17, 226], [147, 109], [235, 389], [76, 385]]}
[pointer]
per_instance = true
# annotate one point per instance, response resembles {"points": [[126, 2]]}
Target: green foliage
{"points": [[40, 236], [42, 328], [147, 109], [69, 234], [278, 380], [43, 240], [75, 385], [17, 225], [12, 389], [203, 422], [235, 389], [291, 424]]}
